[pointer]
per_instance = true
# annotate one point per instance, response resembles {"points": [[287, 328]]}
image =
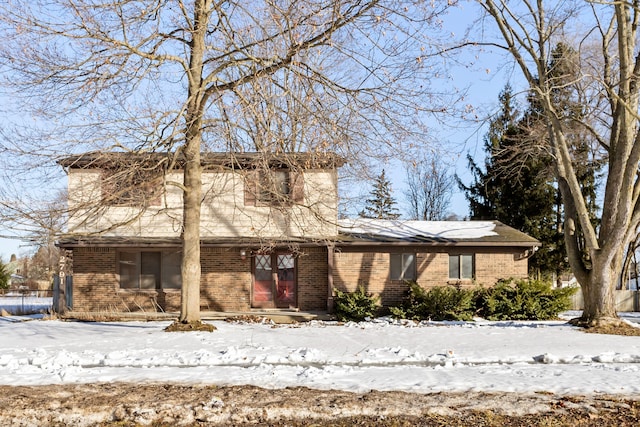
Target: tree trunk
{"points": [[598, 293], [191, 271], [192, 191]]}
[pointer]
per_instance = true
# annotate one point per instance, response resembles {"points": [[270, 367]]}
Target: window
{"points": [[149, 270], [275, 187], [403, 266], [278, 187], [461, 266], [131, 187]]}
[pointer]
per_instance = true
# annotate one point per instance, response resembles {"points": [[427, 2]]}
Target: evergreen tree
{"points": [[380, 204], [520, 193], [4, 276], [517, 186]]}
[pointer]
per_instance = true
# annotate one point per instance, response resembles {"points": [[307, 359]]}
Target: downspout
{"points": [[330, 253]]}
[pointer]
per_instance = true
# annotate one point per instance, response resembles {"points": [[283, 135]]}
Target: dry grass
{"points": [[621, 328], [199, 326], [128, 404]]}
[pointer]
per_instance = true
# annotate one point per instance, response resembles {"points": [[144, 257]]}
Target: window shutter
{"points": [[250, 188], [297, 187]]}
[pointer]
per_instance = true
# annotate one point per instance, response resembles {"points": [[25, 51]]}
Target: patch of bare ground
{"points": [[124, 404], [615, 329], [194, 326]]}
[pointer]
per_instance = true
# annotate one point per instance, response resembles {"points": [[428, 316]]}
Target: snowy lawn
{"points": [[380, 355], [18, 304]]}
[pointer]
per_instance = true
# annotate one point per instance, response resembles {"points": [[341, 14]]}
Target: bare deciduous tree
{"points": [[528, 31], [429, 189], [175, 77]]}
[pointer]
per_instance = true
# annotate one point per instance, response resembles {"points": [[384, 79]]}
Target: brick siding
{"points": [[313, 279], [371, 270], [226, 278], [96, 287], [225, 282]]}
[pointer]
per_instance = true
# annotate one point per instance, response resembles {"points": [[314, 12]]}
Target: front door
{"points": [[274, 281]]}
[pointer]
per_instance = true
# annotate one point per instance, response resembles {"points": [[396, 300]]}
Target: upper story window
{"points": [[274, 187], [131, 187], [279, 187], [461, 266], [403, 266]]}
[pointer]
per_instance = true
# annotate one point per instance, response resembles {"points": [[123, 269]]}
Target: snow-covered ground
{"points": [[381, 355], [19, 304]]}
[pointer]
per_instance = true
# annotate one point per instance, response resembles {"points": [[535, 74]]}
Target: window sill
{"points": [[148, 291], [455, 282], [138, 291]]}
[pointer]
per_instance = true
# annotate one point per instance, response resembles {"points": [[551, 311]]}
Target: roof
{"points": [[73, 241], [352, 232], [231, 160], [362, 231]]}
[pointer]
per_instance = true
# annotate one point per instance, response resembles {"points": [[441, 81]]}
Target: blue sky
{"points": [[8, 247], [483, 74], [483, 81]]}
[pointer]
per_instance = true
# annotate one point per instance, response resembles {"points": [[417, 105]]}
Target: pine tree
{"points": [[380, 204], [4, 276]]}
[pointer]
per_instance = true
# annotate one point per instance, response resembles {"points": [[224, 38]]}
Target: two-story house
{"points": [[270, 236]]}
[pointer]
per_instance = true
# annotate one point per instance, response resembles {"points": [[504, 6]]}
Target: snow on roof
{"points": [[437, 230]]}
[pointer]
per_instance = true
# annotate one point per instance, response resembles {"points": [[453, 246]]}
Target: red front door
{"points": [[274, 281]]}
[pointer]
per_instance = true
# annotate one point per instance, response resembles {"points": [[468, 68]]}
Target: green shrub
{"points": [[522, 300], [439, 303], [356, 306]]}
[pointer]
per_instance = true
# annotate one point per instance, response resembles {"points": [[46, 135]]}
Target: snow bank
{"points": [[381, 355]]}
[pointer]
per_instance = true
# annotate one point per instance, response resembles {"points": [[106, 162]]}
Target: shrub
{"points": [[439, 303], [356, 306], [523, 300]]}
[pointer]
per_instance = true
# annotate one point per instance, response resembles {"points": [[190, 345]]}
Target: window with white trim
{"points": [[403, 266]]}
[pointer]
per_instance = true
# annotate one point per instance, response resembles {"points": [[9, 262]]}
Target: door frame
{"points": [[274, 281]]}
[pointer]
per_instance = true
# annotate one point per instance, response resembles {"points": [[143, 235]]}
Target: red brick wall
{"points": [[226, 280], [225, 283], [371, 270], [313, 279], [490, 267], [96, 288]]}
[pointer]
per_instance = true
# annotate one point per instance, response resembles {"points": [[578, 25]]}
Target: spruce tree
{"points": [[380, 204], [519, 193], [517, 185]]}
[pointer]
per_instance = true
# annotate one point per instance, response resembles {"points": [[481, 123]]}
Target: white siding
{"points": [[223, 211]]}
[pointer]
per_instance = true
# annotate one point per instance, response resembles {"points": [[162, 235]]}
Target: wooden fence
{"points": [[626, 301]]}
